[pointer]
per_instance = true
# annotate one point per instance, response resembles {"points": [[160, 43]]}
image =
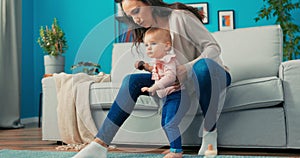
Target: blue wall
{"points": [[89, 29], [78, 19], [28, 105]]}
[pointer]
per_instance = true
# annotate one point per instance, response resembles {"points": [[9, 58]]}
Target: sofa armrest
{"points": [[289, 72], [49, 124]]}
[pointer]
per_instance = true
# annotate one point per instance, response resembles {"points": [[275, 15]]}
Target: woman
{"points": [[199, 56]]}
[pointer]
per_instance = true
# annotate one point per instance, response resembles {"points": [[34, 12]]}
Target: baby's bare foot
{"points": [[173, 155]]}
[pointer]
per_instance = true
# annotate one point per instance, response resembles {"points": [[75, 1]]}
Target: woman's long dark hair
{"points": [[138, 32]]}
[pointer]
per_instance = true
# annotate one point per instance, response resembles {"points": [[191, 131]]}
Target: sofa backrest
{"points": [[124, 56], [249, 53], [252, 52]]}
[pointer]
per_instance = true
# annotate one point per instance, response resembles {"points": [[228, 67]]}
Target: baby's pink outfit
{"points": [[164, 74]]}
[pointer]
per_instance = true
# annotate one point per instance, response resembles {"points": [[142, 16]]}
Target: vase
{"points": [[54, 64]]}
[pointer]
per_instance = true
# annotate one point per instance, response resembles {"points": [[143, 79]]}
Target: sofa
{"points": [[261, 108]]}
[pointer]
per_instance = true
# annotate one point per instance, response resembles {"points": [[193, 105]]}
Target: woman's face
{"points": [[139, 11]]}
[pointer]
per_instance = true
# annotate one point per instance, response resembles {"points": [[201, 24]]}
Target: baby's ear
{"points": [[168, 46]]}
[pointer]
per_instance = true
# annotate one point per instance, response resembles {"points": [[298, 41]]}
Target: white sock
{"points": [[208, 138], [93, 150]]}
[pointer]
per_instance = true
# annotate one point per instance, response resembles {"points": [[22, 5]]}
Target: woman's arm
{"points": [[188, 30], [191, 37], [202, 38]]}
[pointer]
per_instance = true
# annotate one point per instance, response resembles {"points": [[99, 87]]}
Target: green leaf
{"points": [[52, 39], [281, 11]]}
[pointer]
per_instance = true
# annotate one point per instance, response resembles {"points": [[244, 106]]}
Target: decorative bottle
{"points": [[210, 152]]}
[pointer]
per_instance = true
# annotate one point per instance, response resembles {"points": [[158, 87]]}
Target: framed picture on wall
{"points": [[226, 20], [202, 9]]}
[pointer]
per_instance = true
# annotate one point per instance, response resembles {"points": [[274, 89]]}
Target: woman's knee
{"points": [[129, 82], [202, 66], [201, 69], [131, 79], [134, 82]]}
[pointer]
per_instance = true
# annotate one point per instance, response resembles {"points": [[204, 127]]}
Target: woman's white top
{"points": [[191, 40]]}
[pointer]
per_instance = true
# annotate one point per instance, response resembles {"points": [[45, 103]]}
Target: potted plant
{"points": [[281, 10], [53, 42]]}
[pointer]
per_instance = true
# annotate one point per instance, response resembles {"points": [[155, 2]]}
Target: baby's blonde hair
{"points": [[163, 33]]}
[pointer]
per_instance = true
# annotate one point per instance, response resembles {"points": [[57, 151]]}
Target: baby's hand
{"points": [[147, 89], [144, 89]]}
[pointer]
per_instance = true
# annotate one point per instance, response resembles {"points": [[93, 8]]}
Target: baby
{"points": [[159, 47]]}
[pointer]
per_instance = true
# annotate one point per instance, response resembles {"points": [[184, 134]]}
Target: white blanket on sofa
{"points": [[75, 121]]}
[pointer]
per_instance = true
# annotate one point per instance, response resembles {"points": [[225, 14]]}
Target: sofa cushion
{"points": [[247, 94], [253, 128], [103, 94], [253, 52], [254, 93]]}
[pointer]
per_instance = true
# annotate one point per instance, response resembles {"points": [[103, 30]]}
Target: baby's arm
{"points": [[167, 80], [151, 89], [169, 76]]}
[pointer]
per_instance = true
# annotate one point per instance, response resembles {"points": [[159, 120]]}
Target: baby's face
{"points": [[155, 46]]}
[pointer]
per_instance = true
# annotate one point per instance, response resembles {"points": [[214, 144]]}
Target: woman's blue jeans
{"points": [[210, 81], [209, 78]]}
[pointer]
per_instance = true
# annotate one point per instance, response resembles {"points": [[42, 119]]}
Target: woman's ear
{"points": [[168, 46]]}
